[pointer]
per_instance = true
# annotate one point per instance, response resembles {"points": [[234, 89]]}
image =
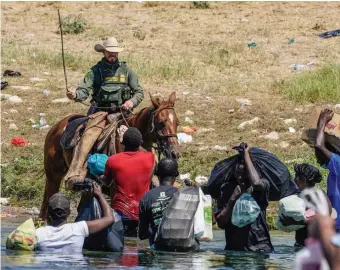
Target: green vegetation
{"points": [[200, 4], [321, 84], [73, 24], [23, 181]]}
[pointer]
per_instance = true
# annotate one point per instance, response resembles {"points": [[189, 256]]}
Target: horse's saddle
{"points": [[105, 142]]}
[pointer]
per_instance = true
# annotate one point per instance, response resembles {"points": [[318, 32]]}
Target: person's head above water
{"points": [[241, 176], [306, 175], [132, 139], [58, 209], [167, 171]]}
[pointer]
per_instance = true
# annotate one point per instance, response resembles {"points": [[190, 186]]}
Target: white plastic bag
{"points": [[245, 211], [203, 219], [293, 207]]}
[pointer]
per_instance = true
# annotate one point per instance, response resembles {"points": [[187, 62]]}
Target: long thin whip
{"points": [[62, 49]]}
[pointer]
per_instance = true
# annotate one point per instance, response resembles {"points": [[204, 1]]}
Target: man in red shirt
{"points": [[130, 173]]}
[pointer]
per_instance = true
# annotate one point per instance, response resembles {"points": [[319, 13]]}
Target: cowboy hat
{"points": [[110, 45]]}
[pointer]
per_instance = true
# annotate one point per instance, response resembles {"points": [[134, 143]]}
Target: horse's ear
{"points": [[154, 100], [172, 98]]}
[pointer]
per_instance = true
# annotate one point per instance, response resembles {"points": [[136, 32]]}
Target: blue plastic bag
{"points": [[96, 164], [246, 211]]}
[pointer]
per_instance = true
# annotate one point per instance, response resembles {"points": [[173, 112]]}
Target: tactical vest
{"points": [[111, 87]]}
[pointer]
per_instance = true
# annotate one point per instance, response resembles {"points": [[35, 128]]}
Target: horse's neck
{"points": [[141, 121]]}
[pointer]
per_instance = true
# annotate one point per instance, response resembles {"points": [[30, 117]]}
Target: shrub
{"points": [[73, 24], [200, 4]]}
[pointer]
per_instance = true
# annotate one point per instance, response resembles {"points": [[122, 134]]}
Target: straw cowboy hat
{"points": [[110, 45]]}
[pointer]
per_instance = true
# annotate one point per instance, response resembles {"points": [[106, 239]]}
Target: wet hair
{"points": [[167, 167], [308, 172], [132, 138]]}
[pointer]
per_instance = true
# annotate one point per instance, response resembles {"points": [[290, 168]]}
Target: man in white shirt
{"points": [[60, 236]]}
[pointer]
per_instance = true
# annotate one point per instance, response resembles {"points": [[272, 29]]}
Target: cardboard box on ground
{"points": [[332, 129]]}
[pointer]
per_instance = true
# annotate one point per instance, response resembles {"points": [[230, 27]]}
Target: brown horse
{"points": [[157, 124]]}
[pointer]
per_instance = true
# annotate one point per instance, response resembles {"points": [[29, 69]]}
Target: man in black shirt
{"points": [[254, 236], [154, 202]]}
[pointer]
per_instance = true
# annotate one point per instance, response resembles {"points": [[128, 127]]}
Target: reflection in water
{"points": [[137, 255]]}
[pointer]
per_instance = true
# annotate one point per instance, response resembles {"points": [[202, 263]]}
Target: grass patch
{"points": [[23, 181], [73, 24], [200, 4], [322, 84]]}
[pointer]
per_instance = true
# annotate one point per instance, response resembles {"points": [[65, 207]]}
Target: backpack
{"points": [[176, 230]]}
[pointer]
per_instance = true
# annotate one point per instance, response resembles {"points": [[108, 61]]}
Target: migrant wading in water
{"points": [[254, 236], [129, 176], [327, 156]]}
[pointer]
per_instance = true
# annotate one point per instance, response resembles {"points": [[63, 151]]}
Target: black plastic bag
{"points": [[267, 165], [111, 238]]}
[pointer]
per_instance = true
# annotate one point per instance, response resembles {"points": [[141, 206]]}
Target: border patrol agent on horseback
{"points": [[113, 85], [111, 82]]}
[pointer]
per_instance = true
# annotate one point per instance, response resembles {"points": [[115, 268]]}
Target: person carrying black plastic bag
{"points": [[254, 236], [109, 238]]}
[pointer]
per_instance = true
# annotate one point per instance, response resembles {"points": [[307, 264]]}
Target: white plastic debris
{"points": [[4, 201], [290, 121], [250, 122], [185, 93], [15, 100], [244, 20], [220, 148], [283, 144], [292, 130], [189, 113], [33, 211], [231, 111], [13, 60], [188, 120], [272, 136], [21, 87], [37, 79], [243, 101], [203, 148], [13, 126], [13, 111], [184, 176], [201, 180], [337, 106], [205, 130], [184, 138], [61, 100], [29, 35]]}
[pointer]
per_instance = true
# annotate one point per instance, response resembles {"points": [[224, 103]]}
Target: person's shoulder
{"points": [[80, 226]]}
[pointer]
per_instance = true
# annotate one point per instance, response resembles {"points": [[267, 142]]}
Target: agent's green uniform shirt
{"points": [[111, 84]]}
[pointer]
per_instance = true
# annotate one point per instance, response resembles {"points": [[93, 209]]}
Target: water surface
{"points": [[137, 255]]}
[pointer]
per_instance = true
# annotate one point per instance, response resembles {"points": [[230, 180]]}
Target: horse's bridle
{"points": [[163, 146]]}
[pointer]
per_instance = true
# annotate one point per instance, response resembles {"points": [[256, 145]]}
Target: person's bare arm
{"points": [[321, 152], [224, 217], [107, 220], [253, 175], [323, 229]]}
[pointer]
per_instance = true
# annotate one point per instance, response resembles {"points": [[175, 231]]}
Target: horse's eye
{"points": [[160, 124]]}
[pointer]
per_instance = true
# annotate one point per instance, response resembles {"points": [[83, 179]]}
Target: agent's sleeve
{"points": [[86, 87], [137, 90]]}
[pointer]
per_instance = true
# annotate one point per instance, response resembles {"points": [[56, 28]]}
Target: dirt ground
{"points": [[201, 54]]}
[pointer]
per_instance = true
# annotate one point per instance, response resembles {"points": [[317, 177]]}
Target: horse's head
{"points": [[164, 124]]}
